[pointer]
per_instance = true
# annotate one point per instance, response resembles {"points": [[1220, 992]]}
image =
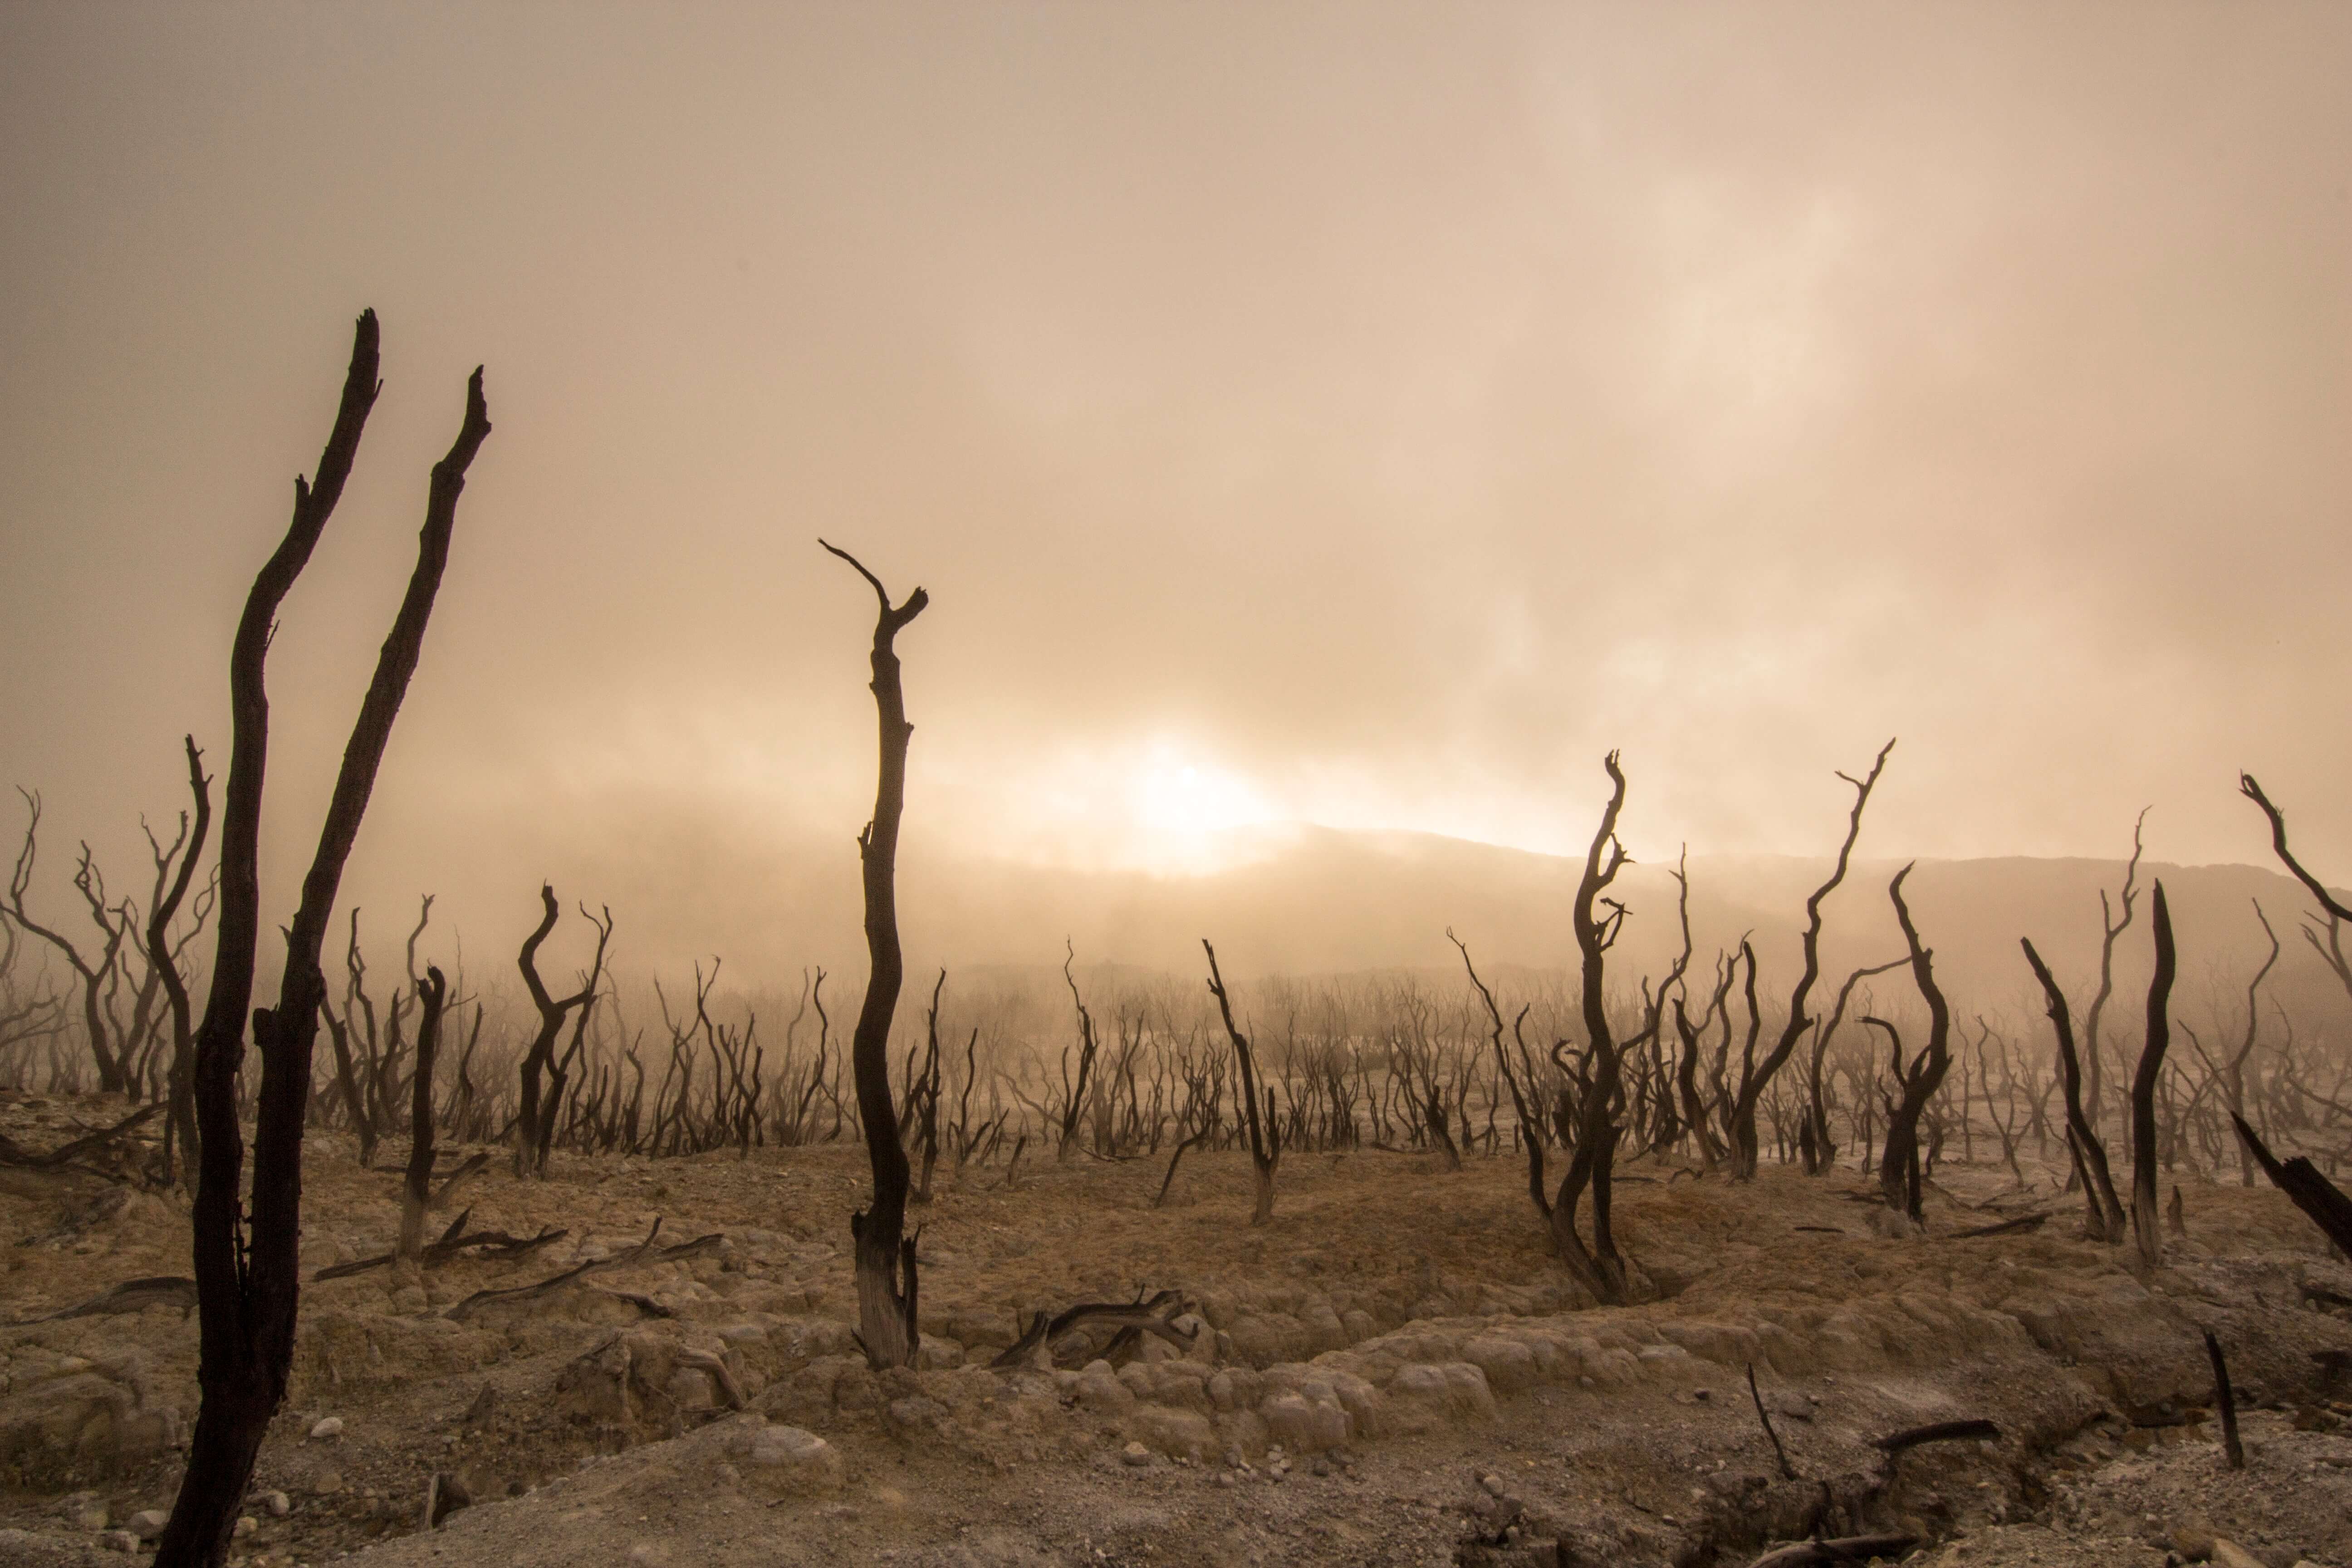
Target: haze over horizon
{"points": [[1357, 416]]}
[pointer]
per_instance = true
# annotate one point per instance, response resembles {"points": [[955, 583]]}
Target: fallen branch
{"points": [[1845, 1549], [635, 1255], [13, 1154], [2006, 1228], [1787, 1474], [1937, 1432], [453, 1242], [1153, 1317], [131, 1296]]}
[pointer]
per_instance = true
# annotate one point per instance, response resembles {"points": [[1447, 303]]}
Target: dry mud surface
{"points": [[1392, 1371]]}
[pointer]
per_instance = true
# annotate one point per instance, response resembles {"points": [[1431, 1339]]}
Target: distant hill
{"points": [[1310, 901]]}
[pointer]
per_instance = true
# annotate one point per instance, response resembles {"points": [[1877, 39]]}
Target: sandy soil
{"points": [[1392, 1371]]}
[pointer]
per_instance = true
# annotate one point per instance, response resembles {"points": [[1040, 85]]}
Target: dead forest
{"points": [[2105, 1114]]}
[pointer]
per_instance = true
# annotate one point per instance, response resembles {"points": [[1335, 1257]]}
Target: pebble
{"points": [[119, 1540], [332, 1482], [1493, 1483], [245, 1525], [332, 1426], [1135, 1454], [148, 1524], [278, 1504]]}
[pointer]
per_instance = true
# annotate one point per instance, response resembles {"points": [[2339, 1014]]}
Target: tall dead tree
{"points": [[1755, 1078], [1075, 1095], [1264, 1134], [2146, 1228], [886, 1256], [1597, 919], [1924, 1075], [246, 1268], [180, 1127], [94, 974], [2331, 951], [417, 1181], [535, 1123], [2111, 927], [2104, 1220]]}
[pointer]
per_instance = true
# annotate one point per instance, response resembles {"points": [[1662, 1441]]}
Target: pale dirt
{"points": [[1626, 1435]]}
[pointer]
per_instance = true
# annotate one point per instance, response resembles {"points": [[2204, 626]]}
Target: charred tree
{"points": [[886, 1256], [1755, 1078], [2104, 1217], [535, 1123], [2145, 1225], [2332, 950], [1899, 1156], [1265, 1132], [417, 1182], [179, 1128], [1597, 919], [246, 1269]]}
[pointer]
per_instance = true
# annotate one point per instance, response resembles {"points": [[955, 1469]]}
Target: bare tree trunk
{"points": [[247, 1275], [416, 1185], [1755, 1077], [2145, 1224], [1599, 1267], [180, 1125], [1898, 1166], [1264, 1134], [2104, 1220], [885, 1258]]}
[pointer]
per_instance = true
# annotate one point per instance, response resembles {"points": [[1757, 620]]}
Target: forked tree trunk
{"points": [[2146, 1224], [1899, 1167], [885, 1258], [247, 1276], [417, 1184], [1755, 1078], [1264, 1134], [2104, 1218], [179, 1128]]}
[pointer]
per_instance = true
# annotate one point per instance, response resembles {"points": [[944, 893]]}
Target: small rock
{"points": [[1493, 1483], [332, 1426], [2193, 1541], [1702, 1394], [148, 1524], [119, 1540], [328, 1483], [278, 1504], [1135, 1454], [1321, 1466], [245, 1525]]}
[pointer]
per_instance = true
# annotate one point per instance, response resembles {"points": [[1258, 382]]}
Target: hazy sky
{"points": [[1351, 414]]}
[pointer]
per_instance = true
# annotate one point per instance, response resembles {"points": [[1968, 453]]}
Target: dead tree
{"points": [[1075, 1095], [2150, 1237], [416, 1184], [1899, 1156], [2332, 950], [94, 972], [535, 1125], [247, 1278], [180, 1127], [1264, 1134], [1754, 1077], [2104, 1220], [1597, 919], [2110, 928], [886, 1256]]}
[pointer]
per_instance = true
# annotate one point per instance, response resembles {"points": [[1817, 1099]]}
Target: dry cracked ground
{"points": [[1393, 1371]]}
